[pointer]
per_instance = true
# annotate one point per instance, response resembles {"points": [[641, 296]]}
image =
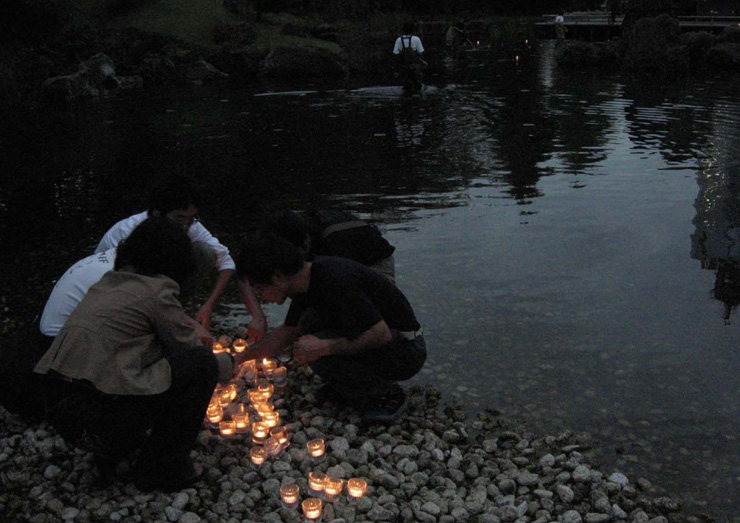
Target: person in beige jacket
{"points": [[129, 370]]}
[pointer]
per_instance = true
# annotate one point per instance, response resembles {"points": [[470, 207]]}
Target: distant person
{"points": [[456, 36], [128, 369], [178, 200], [335, 233], [369, 339], [560, 28], [410, 50]]}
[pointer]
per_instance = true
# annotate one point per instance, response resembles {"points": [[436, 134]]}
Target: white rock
{"points": [[571, 516], [51, 472], [619, 479]]}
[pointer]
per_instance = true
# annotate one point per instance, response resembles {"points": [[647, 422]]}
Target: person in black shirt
{"points": [[369, 338], [335, 233]]}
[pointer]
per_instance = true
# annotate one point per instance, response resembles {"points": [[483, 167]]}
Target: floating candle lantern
{"points": [[218, 348], [333, 488], [356, 487], [311, 508], [258, 455], [214, 413], [268, 365], [227, 428], [241, 422], [271, 419], [260, 432], [316, 481], [266, 389], [316, 448], [280, 376], [281, 433], [272, 445], [289, 493], [240, 345]]}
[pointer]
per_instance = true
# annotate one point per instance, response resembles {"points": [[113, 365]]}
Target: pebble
{"points": [[429, 466]]}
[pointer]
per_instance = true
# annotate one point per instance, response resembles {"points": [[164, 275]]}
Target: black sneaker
{"points": [[385, 409]]}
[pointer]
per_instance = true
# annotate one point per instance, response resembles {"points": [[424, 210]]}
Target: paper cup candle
{"points": [[356, 487], [333, 488], [316, 481], [258, 455], [215, 413], [311, 508], [227, 428], [316, 448], [289, 493], [240, 345]]}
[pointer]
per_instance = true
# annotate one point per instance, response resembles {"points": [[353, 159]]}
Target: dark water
{"points": [[564, 237]]}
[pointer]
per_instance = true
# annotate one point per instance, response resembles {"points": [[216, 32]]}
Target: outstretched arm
{"points": [[257, 328], [206, 310], [309, 348]]}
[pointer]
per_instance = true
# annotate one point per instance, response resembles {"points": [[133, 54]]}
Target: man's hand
{"points": [[204, 315], [309, 348], [205, 337], [257, 328]]}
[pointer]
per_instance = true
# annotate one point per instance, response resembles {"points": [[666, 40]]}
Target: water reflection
{"points": [[542, 219]]}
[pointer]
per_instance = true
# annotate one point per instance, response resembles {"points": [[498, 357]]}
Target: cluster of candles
{"points": [[258, 416], [319, 484], [258, 381]]}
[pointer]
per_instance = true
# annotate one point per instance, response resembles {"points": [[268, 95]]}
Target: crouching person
{"points": [[129, 369], [352, 325]]}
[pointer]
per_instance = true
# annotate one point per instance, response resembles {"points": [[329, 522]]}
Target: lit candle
{"points": [[268, 365], [227, 428], [255, 396], [316, 481], [258, 455], [232, 390], [224, 397], [332, 488], [272, 445], [356, 487], [311, 508], [266, 389], [260, 432], [218, 348], [316, 447], [281, 433], [289, 493], [271, 419], [214, 413], [264, 407], [240, 345], [241, 421]]}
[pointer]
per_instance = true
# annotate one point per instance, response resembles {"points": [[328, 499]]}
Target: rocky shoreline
{"points": [[433, 465]]}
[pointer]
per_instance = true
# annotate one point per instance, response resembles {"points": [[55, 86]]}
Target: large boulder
{"points": [[92, 78], [303, 62]]}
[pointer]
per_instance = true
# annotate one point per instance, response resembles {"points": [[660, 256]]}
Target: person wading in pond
{"points": [[363, 337], [178, 200], [409, 49], [129, 370], [335, 233]]}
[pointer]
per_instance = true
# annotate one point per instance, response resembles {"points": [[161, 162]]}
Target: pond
{"points": [[569, 240]]}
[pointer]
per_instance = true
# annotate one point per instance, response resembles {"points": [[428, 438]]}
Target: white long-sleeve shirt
{"points": [[196, 232]]}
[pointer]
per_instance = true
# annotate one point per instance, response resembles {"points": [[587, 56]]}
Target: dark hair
{"points": [[157, 246], [289, 225], [176, 192], [409, 28], [265, 255]]}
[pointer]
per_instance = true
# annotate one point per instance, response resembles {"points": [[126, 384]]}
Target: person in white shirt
{"points": [[408, 40], [178, 200], [408, 48]]}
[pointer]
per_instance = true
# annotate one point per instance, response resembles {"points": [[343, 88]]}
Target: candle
{"points": [[268, 365], [316, 481], [271, 419], [311, 508], [241, 422], [218, 348], [272, 445], [260, 432], [232, 391], [240, 345], [255, 396], [281, 433], [356, 487], [258, 455], [214, 413], [280, 376], [289, 493], [224, 397], [332, 488], [227, 428], [264, 407], [266, 389], [316, 448]]}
